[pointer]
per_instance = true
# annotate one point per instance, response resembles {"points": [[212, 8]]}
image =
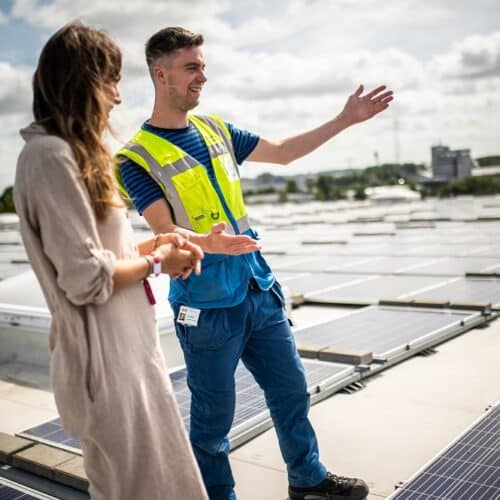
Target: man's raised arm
{"points": [[357, 109]]}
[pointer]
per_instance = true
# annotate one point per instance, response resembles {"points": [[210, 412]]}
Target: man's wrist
{"points": [[204, 241], [342, 121]]}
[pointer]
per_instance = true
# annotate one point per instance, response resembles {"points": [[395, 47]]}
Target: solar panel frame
{"points": [[8, 490], [448, 484], [456, 291]]}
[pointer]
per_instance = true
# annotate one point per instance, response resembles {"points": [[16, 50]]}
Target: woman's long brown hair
{"points": [[71, 99]]}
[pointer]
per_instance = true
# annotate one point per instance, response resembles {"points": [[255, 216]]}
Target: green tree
{"points": [[283, 198], [7, 201], [327, 188], [291, 186], [359, 192], [488, 161], [472, 185], [310, 183]]}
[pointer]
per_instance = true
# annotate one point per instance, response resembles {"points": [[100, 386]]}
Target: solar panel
{"points": [[320, 263], [457, 266], [251, 409], [391, 333], [12, 491], [370, 291], [456, 249], [250, 400], [468, 469], [490, 251], [337, 249], [389, 265], [286, 262], [52, 432], [309, 282], [464, 290]]}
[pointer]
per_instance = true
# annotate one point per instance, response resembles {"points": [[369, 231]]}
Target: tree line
{"points": [[335, 186]]}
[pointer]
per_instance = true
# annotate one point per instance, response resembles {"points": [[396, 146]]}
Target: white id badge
{"points": [[188, 316]]}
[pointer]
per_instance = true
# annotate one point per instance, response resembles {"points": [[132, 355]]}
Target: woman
{"points": [[108, 374]]}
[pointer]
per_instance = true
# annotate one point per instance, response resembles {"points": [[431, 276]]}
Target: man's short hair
{"points": [[166, 41]]}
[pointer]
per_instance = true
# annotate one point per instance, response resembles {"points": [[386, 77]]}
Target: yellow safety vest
{"points": [[195, 203]]}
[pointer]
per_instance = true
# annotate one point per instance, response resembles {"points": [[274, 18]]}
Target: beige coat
{"points": [[108, 373]]}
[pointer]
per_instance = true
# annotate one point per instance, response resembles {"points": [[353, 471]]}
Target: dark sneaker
{"points": [[332, 488]]}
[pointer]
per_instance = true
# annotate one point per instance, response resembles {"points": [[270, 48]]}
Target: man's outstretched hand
{"points": [[359, 108], [220, 241]]}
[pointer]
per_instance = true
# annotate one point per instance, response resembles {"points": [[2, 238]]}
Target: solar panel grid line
{"points": [[472, 478], [466, 473]]}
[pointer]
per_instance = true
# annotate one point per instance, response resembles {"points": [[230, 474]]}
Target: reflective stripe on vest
{"points": [[185, 182]]}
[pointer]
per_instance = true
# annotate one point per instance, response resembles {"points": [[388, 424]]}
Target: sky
{"points": [[279, 67]]}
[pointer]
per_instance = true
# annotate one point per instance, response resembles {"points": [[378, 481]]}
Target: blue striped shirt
{"points": [[141, 187]]}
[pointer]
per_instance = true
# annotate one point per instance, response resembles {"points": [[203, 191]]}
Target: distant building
{"points": [[450, 165]]}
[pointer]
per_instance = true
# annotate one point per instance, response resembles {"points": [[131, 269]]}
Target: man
{"points": [[181, 171]]}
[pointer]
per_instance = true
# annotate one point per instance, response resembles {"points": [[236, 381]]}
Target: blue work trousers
{"points": [[257, 332]]}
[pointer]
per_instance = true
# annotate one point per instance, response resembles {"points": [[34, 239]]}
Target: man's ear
{"points": [[159, 75]]}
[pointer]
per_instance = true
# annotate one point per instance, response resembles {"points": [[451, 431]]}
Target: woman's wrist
{"points": [[150, 262], [156, 268]]}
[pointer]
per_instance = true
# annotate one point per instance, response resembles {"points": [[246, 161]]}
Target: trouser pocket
{"points": [[210, 333]]}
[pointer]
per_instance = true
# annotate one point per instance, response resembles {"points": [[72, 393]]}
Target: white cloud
{"points": [[121, 17], [3, 18], [15, 88], [10, 145], [475, 57]]}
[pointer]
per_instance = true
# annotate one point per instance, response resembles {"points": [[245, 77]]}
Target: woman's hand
{"points": [[179, 257]]}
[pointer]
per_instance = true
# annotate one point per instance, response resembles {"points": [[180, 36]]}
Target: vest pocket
{"points": [[186, 180], [212, 285], [199, 199]]}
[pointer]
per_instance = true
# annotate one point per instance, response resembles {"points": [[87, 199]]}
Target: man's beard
{"points": [[182, 102]]}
